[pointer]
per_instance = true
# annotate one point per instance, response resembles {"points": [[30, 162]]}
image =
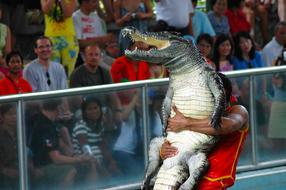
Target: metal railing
{"points": [[143, 85]]}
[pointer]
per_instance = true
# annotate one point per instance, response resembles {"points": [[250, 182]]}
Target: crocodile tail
{"points": [[154, 162]]}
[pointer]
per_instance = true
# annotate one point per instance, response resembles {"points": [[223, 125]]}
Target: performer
{"points": [[224, 157]]}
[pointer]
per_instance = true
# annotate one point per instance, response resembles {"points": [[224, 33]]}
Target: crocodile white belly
{"points": [[188, 140], [192, 96], [194, 99]]}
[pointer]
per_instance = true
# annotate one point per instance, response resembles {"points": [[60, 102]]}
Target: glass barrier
{"points": [[156, 95], [98, 138], [9, 167], [81, 142], [272, 131]]}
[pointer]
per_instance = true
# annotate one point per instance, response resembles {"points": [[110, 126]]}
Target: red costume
{"points": [[123, 70], [8, 86], [223, 161]]}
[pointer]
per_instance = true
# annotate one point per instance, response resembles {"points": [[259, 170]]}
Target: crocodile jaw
{"points": [[153, 41]]}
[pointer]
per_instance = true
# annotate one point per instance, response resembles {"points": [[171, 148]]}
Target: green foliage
{"points": [[201, 5]]}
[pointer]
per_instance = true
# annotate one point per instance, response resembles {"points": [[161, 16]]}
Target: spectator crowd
{"points": [[69, 138]]}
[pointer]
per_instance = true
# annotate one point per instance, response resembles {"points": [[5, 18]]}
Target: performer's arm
{"points": [[235, 120]]}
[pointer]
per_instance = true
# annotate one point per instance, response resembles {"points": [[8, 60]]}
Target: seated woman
{"points": [[222, 55], [245, 54], [246, 57], [88, 138], [217, 17]]}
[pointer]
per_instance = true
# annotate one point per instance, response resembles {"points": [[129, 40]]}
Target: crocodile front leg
{"points": [[216, 86], [166, 108]]}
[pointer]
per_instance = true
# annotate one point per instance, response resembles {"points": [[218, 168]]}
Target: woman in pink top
{"points": [[222, 55]]}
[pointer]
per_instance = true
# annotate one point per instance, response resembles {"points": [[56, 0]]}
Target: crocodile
{"points": [[197, 91]]}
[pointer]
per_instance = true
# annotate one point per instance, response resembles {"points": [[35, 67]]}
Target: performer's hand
{"points": [[177, 123], [167, 151]]}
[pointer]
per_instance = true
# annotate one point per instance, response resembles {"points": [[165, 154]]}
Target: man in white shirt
{"points": [[176, 15], [273, 49], [42, 73], [90, 28]]}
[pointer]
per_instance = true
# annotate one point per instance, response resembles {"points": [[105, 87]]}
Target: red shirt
{"points": [[123, 70], [4, 70], [237, 21], [8, 87], [223, 161]]}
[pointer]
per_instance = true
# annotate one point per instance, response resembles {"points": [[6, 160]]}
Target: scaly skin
{"points": [[197, 91]]}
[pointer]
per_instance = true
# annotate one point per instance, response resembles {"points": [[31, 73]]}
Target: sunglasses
{"points": [[48, 78]]}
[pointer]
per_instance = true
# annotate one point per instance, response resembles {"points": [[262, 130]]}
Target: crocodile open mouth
{"points": [[145, 42]]}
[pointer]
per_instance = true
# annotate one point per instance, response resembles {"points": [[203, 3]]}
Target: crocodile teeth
{"points": [[127, 51]]}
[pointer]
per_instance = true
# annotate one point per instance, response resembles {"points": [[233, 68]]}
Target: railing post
{"points": [[22, 153], [253, 125], [145, 118]]}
